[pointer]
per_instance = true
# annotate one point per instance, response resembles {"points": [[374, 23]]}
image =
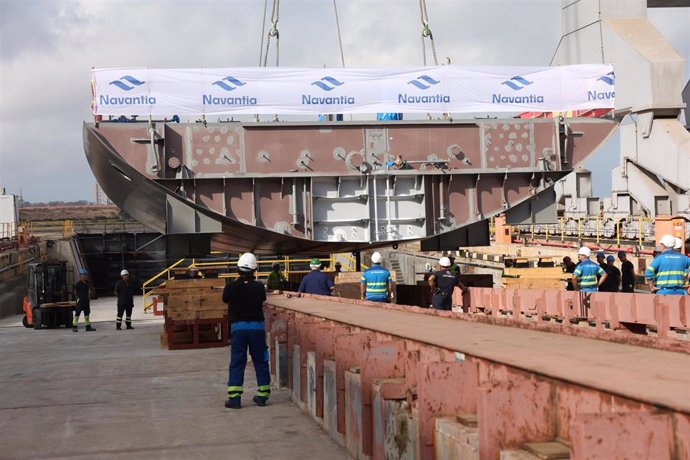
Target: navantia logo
{"points": [[123, 81], [608, 94], [517, 83], [423, 82], [229, 83], [327, 83], [609, 78]]}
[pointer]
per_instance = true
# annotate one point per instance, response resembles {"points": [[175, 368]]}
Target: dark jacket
{"points": [[245, 298]]}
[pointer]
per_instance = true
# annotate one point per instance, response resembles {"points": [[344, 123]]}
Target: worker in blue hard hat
{"points": [[586, 272], [613, 276], [82, 292], [668, 272], [376, 284], [245, 298]]}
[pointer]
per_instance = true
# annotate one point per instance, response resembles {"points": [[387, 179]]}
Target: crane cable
{"points": [[426, 33], [273, 33], [340, 39], [263, 31]]}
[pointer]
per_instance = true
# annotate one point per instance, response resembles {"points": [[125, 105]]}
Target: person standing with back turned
{"points": [[376, 284], [668, 272], [443, 284], [586, 273], [124, 290], [245, 298]]}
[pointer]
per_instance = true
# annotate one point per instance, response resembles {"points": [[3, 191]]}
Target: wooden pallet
{"points": [[196, 333]]}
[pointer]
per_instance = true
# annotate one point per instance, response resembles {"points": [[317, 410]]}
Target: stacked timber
{"points": [[535, 277], [193, 298], [195, 315]]}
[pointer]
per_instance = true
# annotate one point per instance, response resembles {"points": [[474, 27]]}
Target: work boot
{"points": [[129, 326], [118, 327], [89, 328], [75, 329], [260, 400], [233, 403]]}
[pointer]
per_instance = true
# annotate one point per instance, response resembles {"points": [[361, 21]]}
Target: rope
{"points": [[273, 33], [263, 31], [340, 40], [426, 33]]}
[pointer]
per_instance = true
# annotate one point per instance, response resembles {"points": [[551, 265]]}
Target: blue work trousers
{"points": [[672, 291], [250, 335]]}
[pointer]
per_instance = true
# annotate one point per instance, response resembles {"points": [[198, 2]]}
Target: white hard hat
{"points": [[124, 272], [678, 244], [668, 240], [376, 258], [584, 251], [247, 262], [444, 262]]}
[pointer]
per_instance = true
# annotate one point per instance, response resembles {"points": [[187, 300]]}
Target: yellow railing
{"points": [[263, 272]]}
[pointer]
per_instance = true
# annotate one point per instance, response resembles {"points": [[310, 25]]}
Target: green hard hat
{"points": [[315, 261]]}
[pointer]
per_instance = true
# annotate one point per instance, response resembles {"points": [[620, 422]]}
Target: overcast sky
{"points": [[47, 49]]}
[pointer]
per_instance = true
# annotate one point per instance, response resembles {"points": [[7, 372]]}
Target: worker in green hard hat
{"points": [[316, 282]]}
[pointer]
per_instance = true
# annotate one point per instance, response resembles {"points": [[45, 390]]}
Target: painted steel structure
{"points": [[388, 381], [282, 188]]}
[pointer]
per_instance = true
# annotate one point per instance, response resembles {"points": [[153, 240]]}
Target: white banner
{"points": [[264, 90]]}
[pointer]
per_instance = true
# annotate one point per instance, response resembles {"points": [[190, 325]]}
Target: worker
{"points": [[245, 298], [668, 272], [586, 273], [338, 267], [613, 276], [627, 273], [316, 282], [376, 283], [443, 284], [124, 291], [276, 280], [82, 292], [455, 268], [601, 259], [569, 267]]}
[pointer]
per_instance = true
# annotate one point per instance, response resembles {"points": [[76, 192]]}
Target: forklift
{"points": [[49, 300]]}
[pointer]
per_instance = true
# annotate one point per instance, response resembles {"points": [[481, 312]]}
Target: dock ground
{"points": [[109, 393]]}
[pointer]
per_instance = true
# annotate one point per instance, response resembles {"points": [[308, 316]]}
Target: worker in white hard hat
{"points": [[443, 283], [678, 245], [245, 298], [586, 273], [668, 272], [124, 290], [376, 283]]}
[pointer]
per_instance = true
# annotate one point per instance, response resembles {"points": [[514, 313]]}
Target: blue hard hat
{"points": [[622, 253], [601, 254], [610, 258], [83, 271]]}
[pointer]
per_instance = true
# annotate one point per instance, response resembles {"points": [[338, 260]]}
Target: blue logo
{"points": [[421, 84], [323, 83], [609, 78], [513, 83], [230, 82], [127, 79]]}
